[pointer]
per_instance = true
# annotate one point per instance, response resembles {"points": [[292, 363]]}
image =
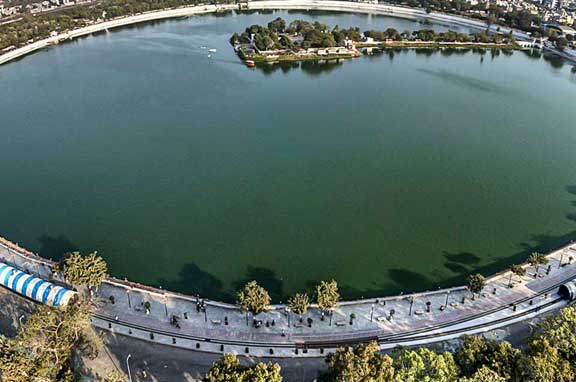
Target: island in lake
{"points": [[302, 40]]}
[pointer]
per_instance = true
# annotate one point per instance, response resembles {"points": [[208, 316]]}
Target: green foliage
{"points": [[253, 298], [536, 260], [277, 26], [40, 26], [327, 295], [43, 349], [546, 364], [81, 270], [476, 283], [424, 365], [518, 270], [299, 303], [560, 333], [362, 363], [476, 352], [484, 374], [229, 369]]}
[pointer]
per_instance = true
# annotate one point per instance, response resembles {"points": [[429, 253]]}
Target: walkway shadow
{"points": [[192, 280], [55, 248]]}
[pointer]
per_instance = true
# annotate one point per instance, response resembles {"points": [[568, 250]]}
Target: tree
{"points": [[424, 364], [561, 43], [229, 369], [90, 270], [43, 348], [299, 303], [253, 298], [226, 369], [477, 352], [484, 374], [546, 364], [277, 25], [476, 283], [536, 259], [327, 295], [517, 270], [559, 332], [362, 363]]}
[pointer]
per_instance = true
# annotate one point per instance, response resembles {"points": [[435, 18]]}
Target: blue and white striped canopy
{"points": [[34, 287]]}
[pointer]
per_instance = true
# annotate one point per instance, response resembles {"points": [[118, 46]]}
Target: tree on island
{"points": [[229, 369], [253, 298], [327, 295], [476, 283], [299, 304], [278, 25], [90, 270], [517, 270]]}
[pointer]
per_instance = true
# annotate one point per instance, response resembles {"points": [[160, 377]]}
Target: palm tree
{"points": [[536, 259], [516, 270]]}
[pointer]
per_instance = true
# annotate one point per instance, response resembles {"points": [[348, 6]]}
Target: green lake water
{"points": [[395, 172]]}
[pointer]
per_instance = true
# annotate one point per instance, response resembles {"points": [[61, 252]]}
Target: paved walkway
{"points": [[223, 328]]}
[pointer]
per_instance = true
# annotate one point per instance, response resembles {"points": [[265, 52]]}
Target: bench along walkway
{"points": [[173, 319]]}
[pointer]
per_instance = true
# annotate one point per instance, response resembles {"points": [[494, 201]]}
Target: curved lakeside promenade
{"points": [[392, 321], [325, 5]]}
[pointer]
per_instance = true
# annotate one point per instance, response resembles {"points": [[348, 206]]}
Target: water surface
{"points": [[395, 172]]}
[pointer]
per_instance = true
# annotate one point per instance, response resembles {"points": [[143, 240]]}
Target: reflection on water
{"points": [[318, 67]]}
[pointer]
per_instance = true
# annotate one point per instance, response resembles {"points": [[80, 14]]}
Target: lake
{"points": [[401, 171]]}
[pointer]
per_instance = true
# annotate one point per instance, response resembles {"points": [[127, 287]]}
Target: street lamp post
{"points": [[561, 259], [288, 312], [128, 367], [446, 303], [371, 312]]}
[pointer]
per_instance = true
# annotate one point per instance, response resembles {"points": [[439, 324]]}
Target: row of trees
{"points": [[255, 299], [303, 34], [40, 26], [549, 357], [495, 14]]}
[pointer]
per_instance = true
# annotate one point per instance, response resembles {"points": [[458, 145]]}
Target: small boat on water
{"points": [[212, 50], [250, 63]]}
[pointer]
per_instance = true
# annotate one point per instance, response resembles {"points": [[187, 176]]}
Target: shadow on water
{"points": [[462, 263], [55, 247], [192, 280], [467, 81], [266, 278]]}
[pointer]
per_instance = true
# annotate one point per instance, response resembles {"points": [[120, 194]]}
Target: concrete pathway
{"points": [[224, 328]]}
